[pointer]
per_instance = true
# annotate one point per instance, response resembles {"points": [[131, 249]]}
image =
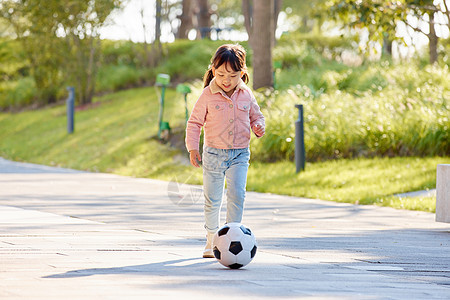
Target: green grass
{"points": [[110, 134], [427, 204], [117, 135], [359, 181]]}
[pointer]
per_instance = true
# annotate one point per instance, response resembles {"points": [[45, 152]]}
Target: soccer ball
{"points": [[234, 245]]}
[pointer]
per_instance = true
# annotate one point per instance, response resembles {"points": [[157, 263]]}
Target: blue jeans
{"points": [[219, 164]]}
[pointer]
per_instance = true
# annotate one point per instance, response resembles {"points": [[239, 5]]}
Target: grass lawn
{"points": [[360, 181], [117, 135]]}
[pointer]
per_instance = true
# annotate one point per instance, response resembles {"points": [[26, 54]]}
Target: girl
{"points": [[227, 110]]}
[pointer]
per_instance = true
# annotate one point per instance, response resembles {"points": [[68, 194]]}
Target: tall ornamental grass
{"points": [[406, 112]]}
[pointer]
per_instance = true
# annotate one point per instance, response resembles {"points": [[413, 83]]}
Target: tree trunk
{"points": [[158, 21], [204, 19], [147, 53], [447, 13], [92, 68], [387, 45], [276, 11], [247, 11], [262, 43], [156, 45], [186, 20], [433, 40]]}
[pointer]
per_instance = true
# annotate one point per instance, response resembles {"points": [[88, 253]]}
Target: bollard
{"points": [[299, 141], [70, 107]]}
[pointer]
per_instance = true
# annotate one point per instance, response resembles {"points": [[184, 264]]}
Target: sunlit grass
{"points": [[427, 203], [359, 181], [106, 136]]}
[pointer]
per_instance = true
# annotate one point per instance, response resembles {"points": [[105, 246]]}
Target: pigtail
{"points": [[208, 77], [245, 78]]}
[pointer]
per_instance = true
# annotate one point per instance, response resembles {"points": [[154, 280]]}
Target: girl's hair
{"points": [[234, 55]]}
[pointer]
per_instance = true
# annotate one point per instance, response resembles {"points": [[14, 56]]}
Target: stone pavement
{"points": [[68, 235]]}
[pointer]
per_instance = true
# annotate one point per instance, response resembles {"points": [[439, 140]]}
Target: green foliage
{"points": [[183, 60], [17, 94], [188, 60], [306, 57], [118, 77], [405, 111], [13, 64], [295, 55], [39, 25], [120, 53], [444, 51], [298, 43], [379, 17]]}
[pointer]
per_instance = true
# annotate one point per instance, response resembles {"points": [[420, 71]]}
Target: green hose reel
{"points": [[184, 89]]}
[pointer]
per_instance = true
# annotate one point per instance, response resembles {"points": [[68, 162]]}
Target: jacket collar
{"points": [[216, 89]]}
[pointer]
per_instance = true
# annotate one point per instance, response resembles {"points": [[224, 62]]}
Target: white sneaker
{"points": [[208, 252]]}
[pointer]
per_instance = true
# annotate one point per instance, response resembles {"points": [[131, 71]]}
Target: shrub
{"points": [[384, 121], [17, 94], [117, 77]]}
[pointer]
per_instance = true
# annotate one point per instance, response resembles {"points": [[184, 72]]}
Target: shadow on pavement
{"points": [[181, 267]]}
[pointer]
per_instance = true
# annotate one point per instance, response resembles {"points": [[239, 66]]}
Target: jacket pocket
{"points": [[244, 106], [216, 111], [243, 113]]}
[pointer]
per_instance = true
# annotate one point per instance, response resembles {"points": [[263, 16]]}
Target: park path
{"points": [[66, 234]]}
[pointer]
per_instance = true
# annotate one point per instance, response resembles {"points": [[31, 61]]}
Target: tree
{"points": [[308, 14], [81, 21], [61, 40], [260, 21], [262, 43], [248, 7], [203, 13], [34, 29], [380, 17], [153, 49], [425, 11], [186, 22]]}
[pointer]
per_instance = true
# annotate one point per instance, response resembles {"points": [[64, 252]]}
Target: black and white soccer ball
{"points": [[234, 245]]}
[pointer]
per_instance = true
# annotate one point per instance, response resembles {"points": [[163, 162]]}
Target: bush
{"points": [[330, 46], [17, 94], [186, 60], [119, 52], [117, 77], [389, 120]]}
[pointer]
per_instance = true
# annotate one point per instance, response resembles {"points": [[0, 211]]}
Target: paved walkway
{"points": [[74, 235]]}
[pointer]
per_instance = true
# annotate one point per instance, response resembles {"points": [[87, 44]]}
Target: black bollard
{"points": [[70, 105], [299, 141]]}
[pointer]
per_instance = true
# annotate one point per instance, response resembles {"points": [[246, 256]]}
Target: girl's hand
{"points": [[259, 130], [195, 157]]}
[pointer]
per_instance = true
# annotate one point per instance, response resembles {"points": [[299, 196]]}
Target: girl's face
{"points": [[226, 78]]}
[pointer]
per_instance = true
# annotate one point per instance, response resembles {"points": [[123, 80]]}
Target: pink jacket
{"points": [[227, 121]]}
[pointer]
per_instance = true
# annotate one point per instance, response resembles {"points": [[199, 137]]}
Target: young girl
{"points": [[227, 110]]}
